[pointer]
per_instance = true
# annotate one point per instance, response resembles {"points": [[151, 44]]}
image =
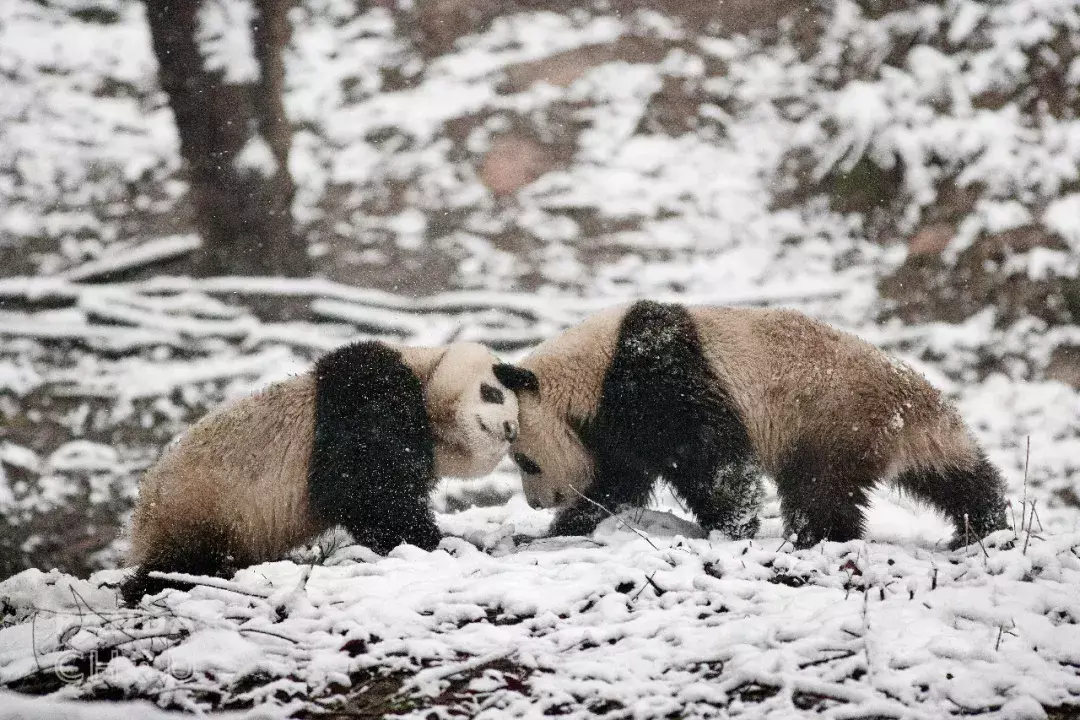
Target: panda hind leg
{"points": [[975, 490], [822, 499], [727, 499], [204, 551]]}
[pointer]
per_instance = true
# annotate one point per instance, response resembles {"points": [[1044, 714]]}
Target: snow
{"points": [[499, 623], [669, 623], [225, 39], [256, 156]]}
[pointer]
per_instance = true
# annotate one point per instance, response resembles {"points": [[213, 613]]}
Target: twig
{"points": [[1031, 520], [1041, 529], [441, 673], [648, 580], [294, 641], [33, 640], [108, 623], [209, 582], [1023, 506], [659, 590], [622, 522], [843, 655]]}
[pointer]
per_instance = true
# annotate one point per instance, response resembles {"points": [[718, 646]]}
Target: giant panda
{"points": [[359, 441], [710, 398]]}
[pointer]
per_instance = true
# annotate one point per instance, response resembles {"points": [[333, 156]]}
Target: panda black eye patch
{"points": [[491, 394], [526, 464]]}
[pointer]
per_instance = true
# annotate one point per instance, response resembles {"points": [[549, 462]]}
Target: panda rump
{"points": [[711, 397], [349, 444]]}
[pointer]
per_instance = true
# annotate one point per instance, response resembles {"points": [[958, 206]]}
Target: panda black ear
{"points": [[516, 378]]}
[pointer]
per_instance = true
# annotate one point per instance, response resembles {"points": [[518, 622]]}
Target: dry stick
{"points": [[967, 532], [644, 585], [1030, 521], [1041, 529], [209, 582], [33, 640], [107, 622], [1023, 507], [622, 522], [1001, 631]]}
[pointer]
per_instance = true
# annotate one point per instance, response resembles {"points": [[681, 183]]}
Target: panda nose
{"points": [[511, 430]]}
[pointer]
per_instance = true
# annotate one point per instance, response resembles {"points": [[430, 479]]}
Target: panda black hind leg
{"points": [[974, 490], [823, 495], [719, 479], [196, 551]]}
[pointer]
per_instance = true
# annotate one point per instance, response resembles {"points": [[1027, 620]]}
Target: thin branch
{"points": [[209, 582], [1041, 529], [441, 673], [108, 623], [1031, 520], [644, 585], [1027, 463], [622, 522]]}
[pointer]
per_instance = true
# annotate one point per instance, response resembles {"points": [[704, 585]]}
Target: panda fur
{"points": [[710, 398], [360, 441]]}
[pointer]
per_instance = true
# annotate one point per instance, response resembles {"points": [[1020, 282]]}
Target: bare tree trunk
{"points": [[234, 139]]}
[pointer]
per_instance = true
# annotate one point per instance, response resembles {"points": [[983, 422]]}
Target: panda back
{"points": [[239, 473]]}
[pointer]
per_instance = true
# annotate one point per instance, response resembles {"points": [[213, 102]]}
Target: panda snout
{"points": [[510, 430]]}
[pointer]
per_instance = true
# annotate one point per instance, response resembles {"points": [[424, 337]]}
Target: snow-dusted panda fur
{"points": [[711, 397], [359, 441]]}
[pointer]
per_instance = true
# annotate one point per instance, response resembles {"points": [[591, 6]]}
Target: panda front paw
{"points": [[575, 520], [426, 536]]}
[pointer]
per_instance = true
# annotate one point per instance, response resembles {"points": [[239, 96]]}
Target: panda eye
{"points": [[491, 394], [526, 464]]}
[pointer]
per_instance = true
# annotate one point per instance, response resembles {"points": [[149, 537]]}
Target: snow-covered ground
{"points": [[389, 159], [621, 625]]}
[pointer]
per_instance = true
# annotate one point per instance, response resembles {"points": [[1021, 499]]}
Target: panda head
{"points": [[472, 402], [549, 449]]}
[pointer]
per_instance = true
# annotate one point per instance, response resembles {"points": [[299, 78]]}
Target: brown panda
{"points": [[711, 397], [359, 441]]}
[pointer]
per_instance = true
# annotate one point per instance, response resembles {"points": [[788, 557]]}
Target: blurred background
{"points": [[198, 197]]}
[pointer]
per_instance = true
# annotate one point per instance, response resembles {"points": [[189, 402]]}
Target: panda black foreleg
{"points": [[976, 491], [382, 526], [823, 497], [621, 480]]}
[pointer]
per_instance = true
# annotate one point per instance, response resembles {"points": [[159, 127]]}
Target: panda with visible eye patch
{"points": [[710, 397], [360, 441]]}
